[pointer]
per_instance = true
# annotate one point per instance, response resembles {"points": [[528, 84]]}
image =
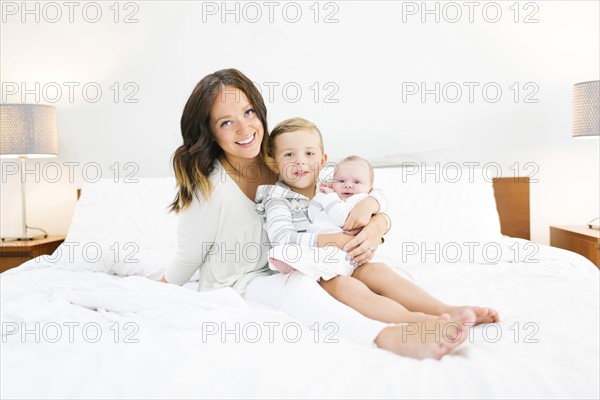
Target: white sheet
{"points": [[554, 301]]}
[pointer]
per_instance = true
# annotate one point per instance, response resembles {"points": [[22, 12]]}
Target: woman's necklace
{"points": [[238, 173], [253, 172]]}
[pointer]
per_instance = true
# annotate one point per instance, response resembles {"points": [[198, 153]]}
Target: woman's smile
{"points": [[248, 141]]}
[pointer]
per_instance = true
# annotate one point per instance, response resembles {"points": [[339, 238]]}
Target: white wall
{"points": [[367, 58]]}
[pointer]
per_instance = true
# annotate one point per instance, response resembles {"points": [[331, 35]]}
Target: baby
{"points": [[352, 182]]}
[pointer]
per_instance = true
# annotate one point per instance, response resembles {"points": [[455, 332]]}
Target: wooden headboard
{"points": [[512, 201]]}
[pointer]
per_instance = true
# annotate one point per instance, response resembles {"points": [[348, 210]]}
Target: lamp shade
{"points": [[28, 130], [586, 109]]}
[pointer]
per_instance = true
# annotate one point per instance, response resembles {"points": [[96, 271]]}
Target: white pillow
{"points": [[126, 229], [121, 228], [439, 214], [397, 159]]}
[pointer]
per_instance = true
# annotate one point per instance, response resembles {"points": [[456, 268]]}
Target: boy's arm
{"points": [[315, 207], [339, 240], [280, 228]]}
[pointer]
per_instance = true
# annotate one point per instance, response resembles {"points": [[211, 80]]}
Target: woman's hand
{"points": [[362, 248], [361, 214], [353, 232]]}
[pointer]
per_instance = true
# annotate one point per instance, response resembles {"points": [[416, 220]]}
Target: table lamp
{"points": [[27, 131], [586, 116]]}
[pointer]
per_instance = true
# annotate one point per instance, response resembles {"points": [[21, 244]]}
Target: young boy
{"points": [[327, 212], [297, 149]]}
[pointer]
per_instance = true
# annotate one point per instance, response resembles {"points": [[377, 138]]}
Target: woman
{"points": [[223, 160]]}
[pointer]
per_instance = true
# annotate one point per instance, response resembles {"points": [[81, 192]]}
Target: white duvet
{"points": [[104, 336]]}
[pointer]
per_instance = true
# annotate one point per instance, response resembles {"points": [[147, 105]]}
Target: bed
{"points": [[91, 320]]}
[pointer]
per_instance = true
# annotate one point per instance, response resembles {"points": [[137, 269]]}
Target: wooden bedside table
{"points": [[580, 239], [15, 252]]}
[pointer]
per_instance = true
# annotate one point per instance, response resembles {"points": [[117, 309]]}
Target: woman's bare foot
{"points": [[427, 339], [483, 315]]}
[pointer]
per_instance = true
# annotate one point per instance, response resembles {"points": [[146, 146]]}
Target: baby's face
{"points": [[352, 177]]}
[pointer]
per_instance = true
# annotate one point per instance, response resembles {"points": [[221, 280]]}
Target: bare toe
{"points": [[483, 315], [467, 319], [495, 317]]}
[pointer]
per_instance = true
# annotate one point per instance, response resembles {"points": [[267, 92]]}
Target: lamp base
{"points": [[11, 239], [44, 235], [593, 224]]}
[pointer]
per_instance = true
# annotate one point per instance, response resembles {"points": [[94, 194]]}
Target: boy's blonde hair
{"points": [[357, 158], [293, 125]]}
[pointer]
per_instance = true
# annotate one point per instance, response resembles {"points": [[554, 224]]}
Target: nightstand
{"points": [[15, 252], [579, 239]]}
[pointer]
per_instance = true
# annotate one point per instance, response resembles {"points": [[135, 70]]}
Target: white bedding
{"points": [[548, 344], [123, 335]]}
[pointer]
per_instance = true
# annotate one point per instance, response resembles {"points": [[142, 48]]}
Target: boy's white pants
{"points": [[315, 262]]}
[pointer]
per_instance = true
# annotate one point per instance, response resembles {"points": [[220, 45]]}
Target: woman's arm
{"points": [[196, 233], [281, 229], [361, 214], [364, 245]]}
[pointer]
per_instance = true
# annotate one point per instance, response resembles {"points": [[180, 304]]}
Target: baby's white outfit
{"points": [[328, 213]]}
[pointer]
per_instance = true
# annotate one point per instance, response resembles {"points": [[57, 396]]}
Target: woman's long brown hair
{"points": [[195, 159]]}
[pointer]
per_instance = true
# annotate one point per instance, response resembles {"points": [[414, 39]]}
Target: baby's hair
{"points": [[357, 158], [293, 125]]}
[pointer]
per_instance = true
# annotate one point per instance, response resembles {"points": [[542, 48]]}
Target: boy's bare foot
{"points": [[412, 317], [483, 315], [281, 266], [428, 339]]}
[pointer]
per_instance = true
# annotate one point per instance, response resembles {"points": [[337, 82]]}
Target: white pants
{"points": [[315, 262], [305, 300]]}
